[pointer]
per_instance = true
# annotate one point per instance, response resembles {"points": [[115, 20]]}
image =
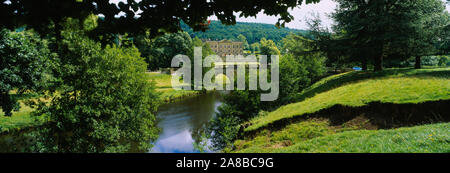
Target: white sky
{"points": [[323, 8]]}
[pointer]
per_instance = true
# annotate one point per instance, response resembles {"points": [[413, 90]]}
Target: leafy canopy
{"points": [[105, 102], [156, 16], [24, 60], [394, 29]]}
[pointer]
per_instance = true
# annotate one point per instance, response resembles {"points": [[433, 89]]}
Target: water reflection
{"points": [[182, 123], [18, 142]]}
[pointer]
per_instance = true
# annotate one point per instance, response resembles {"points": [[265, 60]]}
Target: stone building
{"points": [[226, 47]]}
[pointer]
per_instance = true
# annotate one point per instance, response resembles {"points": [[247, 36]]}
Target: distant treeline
{"points": [[254, 32]]}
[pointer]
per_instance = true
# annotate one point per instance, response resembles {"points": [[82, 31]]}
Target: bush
{"points": [[224, 128], [293, 78], [444, 61], [105, 103], [246, 104]]}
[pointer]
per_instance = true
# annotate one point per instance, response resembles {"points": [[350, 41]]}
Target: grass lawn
{"points": [[164, 86], [360, 88], [18, 120], [315, 136]]}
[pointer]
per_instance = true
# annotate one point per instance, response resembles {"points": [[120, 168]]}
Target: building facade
{"points": [[226, 47]]}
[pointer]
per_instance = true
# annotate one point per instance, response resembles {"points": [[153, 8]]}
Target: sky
{"points": [[323, 9], [301, 13]]}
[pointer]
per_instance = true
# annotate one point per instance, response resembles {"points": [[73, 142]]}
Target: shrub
{"points": [[105, 103], [224, 128]]}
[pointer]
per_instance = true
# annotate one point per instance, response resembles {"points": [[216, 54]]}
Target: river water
{"points": [[181, 123]]}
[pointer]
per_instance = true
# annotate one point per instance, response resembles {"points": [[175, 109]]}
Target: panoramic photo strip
{"points": [[208, 85]]}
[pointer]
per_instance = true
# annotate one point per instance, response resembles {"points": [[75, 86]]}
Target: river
{"points": [[183, 121]]}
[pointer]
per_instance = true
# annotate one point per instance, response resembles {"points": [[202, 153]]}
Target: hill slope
{"points": [[252, 31], [357, 89], [347, 113]]}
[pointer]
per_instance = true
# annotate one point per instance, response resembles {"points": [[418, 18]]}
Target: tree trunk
{"points": [[378, 63], [364, 64], [7, 104], [418, 65]]}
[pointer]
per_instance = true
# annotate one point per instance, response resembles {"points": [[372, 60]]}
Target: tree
{"points": [[206, 50], [255, 47], [444, 46], [105, 102], [224, 127], [293, 78], [242, 39], [339, 49], [144, 43], [157, 17], [307, 64], [24, 63], [165, 47], [428, 21], [268, 47], [384, 28]]}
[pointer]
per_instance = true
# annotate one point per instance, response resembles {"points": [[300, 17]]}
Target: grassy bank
{"points": [[357, 89], [317, 136], [351, 93]]}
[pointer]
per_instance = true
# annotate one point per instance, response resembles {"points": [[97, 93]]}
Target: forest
{"points": [[254, 32]]}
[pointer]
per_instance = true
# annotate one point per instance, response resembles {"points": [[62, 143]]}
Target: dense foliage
{"points": [[385, 29], [157, 17], [24, 66], [159, 52], [313, 62], [163, 48], [105, 102], [268, 48], [298, 70]]}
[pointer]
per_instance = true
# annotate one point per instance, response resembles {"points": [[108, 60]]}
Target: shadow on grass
{"points": [[354, 77], [381, 115]]}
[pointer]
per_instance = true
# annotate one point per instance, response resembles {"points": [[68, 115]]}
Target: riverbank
{"points": [[346, 112], [23, 119]]}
